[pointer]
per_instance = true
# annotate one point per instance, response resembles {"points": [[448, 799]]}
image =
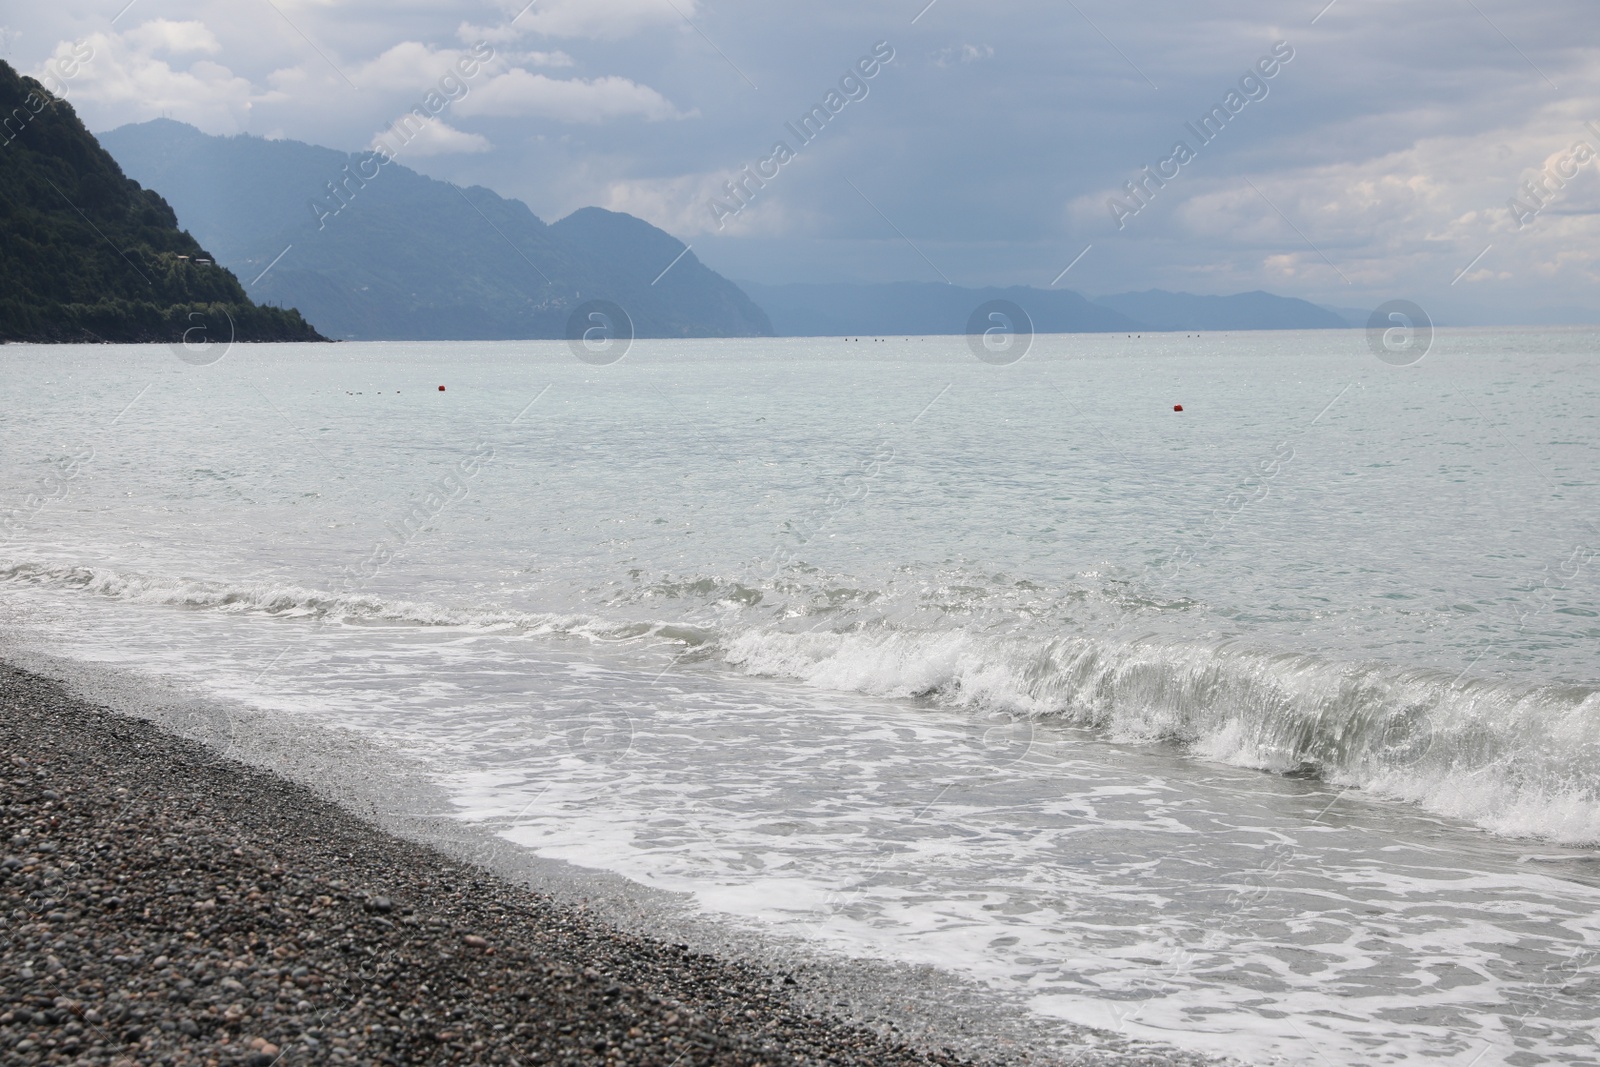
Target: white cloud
{"points": [[607, 19], [517, 92], [541, 59], [967, 53], [163, 35], [503, 33], [406, 67], [1414, 217], [1421, 213], [128, 84], [437, 138], [682, 206], [410, 67]]}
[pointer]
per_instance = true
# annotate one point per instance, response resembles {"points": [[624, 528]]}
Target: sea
{"points": [[1265, 728]]}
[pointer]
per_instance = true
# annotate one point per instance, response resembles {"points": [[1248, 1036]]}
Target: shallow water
{"points": [[994, 668]]}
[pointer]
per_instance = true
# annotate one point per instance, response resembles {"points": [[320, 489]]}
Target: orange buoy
{"points": [[1175, 407]]}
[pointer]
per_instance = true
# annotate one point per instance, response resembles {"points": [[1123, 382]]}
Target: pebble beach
{"points": [[162, 905]]}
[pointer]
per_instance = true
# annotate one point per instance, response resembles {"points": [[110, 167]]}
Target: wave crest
{"points": [[1518, 759]]}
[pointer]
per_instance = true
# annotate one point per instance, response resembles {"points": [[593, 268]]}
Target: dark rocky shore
{"points": [[162, 905]]}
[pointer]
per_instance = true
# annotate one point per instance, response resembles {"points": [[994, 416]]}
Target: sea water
{"points": [[1269, 727]]}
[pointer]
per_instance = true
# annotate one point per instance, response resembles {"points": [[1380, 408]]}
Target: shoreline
{"points": [[163, 904]]}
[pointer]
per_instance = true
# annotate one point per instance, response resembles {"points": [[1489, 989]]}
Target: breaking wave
{"points": [[1515, 758]]}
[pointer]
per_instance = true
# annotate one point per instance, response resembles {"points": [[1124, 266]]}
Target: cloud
{"points": [[681, 206], [504, 33], [163, 35], [605, 19], [126, 83], [1415, 217], [519, 93], [535, 58], [541, 59], [437, 138], [967, 53], [408, 67]]}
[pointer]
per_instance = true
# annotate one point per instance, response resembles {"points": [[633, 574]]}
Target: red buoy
{"points": [[441, 388], [1175, 407]]}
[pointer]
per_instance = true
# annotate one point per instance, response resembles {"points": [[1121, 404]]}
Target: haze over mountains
{"points": [[376, 251]]}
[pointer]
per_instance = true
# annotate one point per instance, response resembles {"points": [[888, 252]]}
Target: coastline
{"points": [[163, 904]]}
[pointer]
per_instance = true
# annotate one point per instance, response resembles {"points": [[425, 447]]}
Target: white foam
{"points": [[1516, 759]]}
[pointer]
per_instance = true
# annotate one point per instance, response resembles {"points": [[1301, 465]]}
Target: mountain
{"points": [[928, 308], [373, 250], [88, 255], [1354, 317], [1160, 310], [920, 308], [632, 249]]}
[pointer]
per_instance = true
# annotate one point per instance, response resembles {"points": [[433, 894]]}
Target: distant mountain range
{"points": [[90, 256], [373, 250], [1159, 310], [921, 309], [376, 251], [927, 308]]}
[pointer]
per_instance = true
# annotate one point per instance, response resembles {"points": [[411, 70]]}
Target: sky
{"points": [[1435, 150]]}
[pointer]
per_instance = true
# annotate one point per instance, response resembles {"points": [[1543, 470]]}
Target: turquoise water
{"points": [[1263, 726]]}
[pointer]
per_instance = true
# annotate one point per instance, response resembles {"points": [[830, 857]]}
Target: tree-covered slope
{"points": [[88, 255]]}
